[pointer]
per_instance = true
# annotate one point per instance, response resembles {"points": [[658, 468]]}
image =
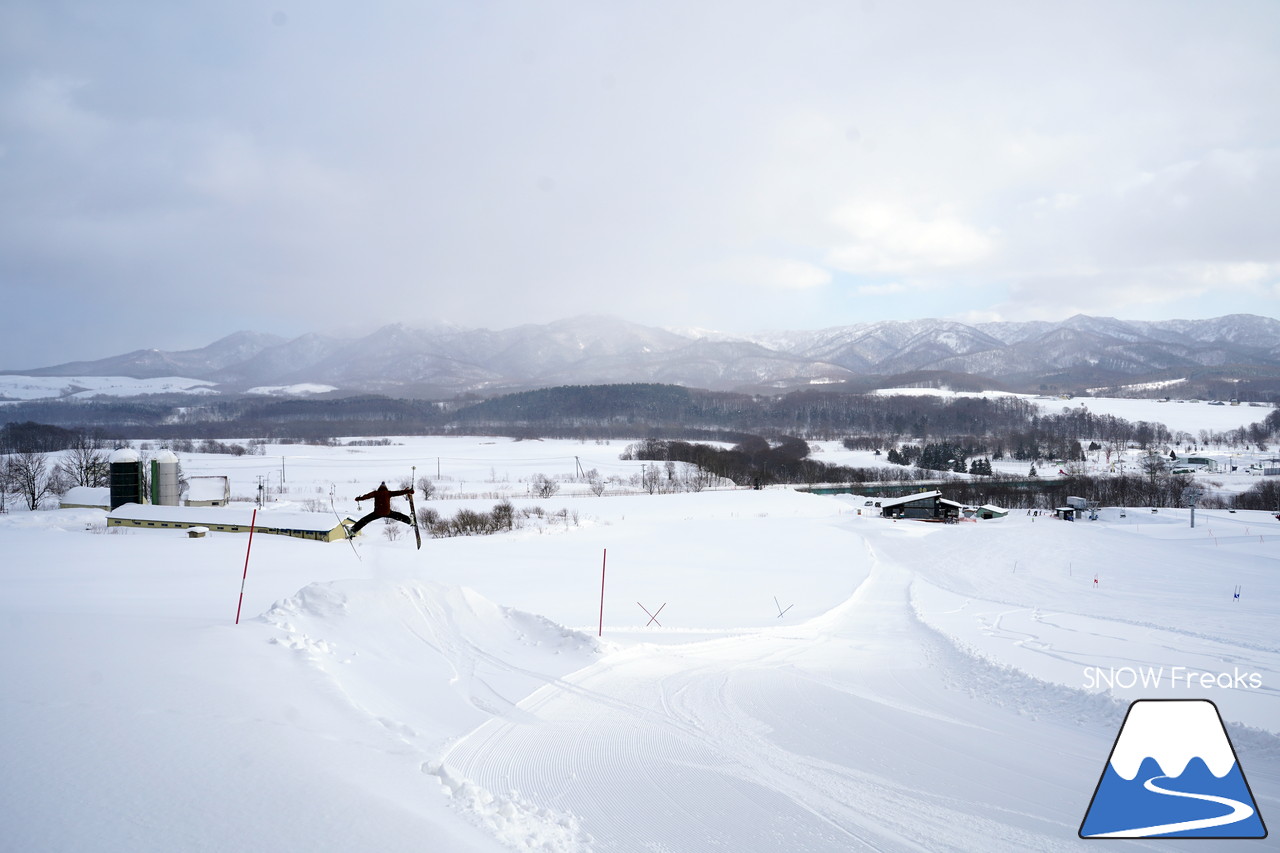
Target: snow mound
{"points": [[425, 660], [514, 820], [419, 663]]}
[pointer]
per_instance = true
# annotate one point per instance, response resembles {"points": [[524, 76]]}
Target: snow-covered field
{"points": [[926, 687], [14, 388], [1178, 415]]}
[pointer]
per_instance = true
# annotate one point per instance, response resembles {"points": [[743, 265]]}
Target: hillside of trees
{"points": [[994, 427], [767, 436]]}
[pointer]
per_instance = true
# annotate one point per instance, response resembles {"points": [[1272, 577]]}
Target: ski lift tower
{"points": [[1189, 496]]}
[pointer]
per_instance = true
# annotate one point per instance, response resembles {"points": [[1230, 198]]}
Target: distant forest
{"points": [[994, 426], [749, 439]]}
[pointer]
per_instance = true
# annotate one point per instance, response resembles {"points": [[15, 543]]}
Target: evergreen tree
{"points": [[981, 467]]}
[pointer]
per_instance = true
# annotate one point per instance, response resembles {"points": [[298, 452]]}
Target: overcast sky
{"points": [[173, 172]]}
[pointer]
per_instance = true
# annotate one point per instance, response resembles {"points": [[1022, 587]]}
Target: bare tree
{"points": [[85, 463], [544, 486], [1154, 466], [697, 478], [427, 487], [650, 479], [29, 476]]}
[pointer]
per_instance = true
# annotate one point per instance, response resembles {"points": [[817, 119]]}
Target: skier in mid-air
{"points": [[382, 507]]}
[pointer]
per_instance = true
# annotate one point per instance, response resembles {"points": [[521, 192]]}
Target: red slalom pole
{"points": [[252, 522], [603, 560]]}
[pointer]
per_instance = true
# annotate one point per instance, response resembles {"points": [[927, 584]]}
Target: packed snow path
{"points": [[861, 730]]}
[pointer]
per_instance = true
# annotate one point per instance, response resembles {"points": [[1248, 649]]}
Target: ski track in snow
{"points": [[692, 748], [934, 704], [688, 748]]}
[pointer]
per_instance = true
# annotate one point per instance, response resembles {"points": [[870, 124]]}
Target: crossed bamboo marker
{"points": [[653, 617]]}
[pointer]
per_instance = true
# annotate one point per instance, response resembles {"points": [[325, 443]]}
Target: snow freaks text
{"points": [[1125, 677]]}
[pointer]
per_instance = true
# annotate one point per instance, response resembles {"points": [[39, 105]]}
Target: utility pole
{"points": [[1191, 494]]}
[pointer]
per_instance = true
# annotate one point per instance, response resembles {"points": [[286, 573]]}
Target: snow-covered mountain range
{"points": [[591, 350]]}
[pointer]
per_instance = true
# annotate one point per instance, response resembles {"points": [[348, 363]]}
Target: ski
{"points": [[413, 514], [346, 530]]}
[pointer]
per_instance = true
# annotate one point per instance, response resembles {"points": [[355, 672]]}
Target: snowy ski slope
{"points": [[932, 687]]}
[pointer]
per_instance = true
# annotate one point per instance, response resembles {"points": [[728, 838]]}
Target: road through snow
{"points": [[854, 731]]}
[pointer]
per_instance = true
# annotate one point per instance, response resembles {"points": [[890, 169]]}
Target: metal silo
{"points": [[126, 477], [165, 490]]}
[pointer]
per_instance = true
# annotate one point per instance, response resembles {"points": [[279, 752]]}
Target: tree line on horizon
{"points": [[608, 411], [768, 435]]}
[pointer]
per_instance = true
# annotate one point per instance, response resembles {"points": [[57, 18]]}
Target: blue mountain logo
{"points": [[1172, 773]]}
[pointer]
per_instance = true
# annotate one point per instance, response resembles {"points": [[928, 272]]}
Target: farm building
{"points": [[923, 505], [932, 506], [319, 526], [208, 491], [87, 497]]}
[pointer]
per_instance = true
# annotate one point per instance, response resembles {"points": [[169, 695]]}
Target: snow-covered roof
{"points": [[87, 496], [207, 488], [919, 496], [238, 514], [124, 454]]}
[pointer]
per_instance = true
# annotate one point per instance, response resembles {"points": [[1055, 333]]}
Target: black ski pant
{"points": [[398, 516]]}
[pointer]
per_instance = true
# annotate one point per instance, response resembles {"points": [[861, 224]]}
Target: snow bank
{"points": [[424, 660], [514, 820], [427, 662]]}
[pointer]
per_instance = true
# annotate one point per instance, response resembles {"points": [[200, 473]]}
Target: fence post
{"points": [[603, 560], [253, 520]]}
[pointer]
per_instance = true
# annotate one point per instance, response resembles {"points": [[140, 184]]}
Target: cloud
{"points": [[775, 273], [1246, 274], [46, 106], [505, 162], [890, 289], [888, 238], [1134, 293], [973, 317]]}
